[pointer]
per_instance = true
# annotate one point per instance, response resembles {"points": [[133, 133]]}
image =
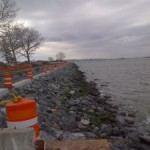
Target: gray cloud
{"points": [[85, 28]]}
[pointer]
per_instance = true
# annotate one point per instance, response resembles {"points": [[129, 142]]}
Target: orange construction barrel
{"points": [[45, 69], [51, 67], [7, 80], [59, 65], [29, 73], [22, 114]]}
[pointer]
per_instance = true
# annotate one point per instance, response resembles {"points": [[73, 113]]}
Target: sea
{"points": [[126, 81]]}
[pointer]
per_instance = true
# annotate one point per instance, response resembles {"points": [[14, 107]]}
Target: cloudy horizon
{"points": [[89, 28]]}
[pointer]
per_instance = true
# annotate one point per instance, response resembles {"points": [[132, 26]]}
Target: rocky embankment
{"points": [[69, 108]]}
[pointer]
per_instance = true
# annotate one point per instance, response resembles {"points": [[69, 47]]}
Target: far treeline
{"points": [[15, 39]]}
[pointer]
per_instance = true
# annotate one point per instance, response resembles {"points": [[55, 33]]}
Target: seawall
{"points": [[70, 108]]}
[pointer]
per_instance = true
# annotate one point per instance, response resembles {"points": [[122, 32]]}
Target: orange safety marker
{"points": [[7, 80], [58, 65], [22, 114], [51, 67], [45, 69], [29, 73]]}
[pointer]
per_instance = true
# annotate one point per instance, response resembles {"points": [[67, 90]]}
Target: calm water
{"points": [[127, 81]]}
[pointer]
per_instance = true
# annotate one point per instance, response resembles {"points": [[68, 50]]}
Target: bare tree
{"points": [[60, 56], [14, 43], [50, 59], [10, 41], [30, 41], [5, 52], [7, 12]]}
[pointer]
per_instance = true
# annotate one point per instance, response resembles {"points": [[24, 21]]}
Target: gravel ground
{"points": [[69, 107]]}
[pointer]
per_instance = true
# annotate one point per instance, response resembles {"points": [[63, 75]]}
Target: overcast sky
{"points": [[89, 28]]}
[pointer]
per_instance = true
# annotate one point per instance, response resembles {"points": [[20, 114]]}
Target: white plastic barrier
{"points": [[16, 139]]}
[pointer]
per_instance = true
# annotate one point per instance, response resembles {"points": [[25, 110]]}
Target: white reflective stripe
{"points": [[7, 78], [22, 124], [8, 83]]}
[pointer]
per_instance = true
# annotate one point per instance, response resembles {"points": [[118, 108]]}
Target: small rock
{"points": [[90, 135], [72, 92], [107, 129], [44, 136], [96, 129], [145, 139], [129, 120], [100, 109], [41, 90], [73, 108], [103, 135], [81, 126], [54, 86], [71, 112], [51, 110], [91, 111], [73, 102], [116, 131], [59, 135], [3, 110], [122, 114], [85, 122], [73, 136], [131, 114]]}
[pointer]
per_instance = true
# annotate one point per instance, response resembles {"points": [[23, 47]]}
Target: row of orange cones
{"points": [[8, 76]]}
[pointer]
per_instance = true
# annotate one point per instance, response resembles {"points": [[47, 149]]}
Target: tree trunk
{"points": [[28, 57], [7, 60], [14, 56]]}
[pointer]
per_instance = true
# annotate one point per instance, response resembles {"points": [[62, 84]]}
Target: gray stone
{"points": [[112, 110], [73, 108], [2, 120], [116, 131], [83, 109], [131, 114], [73, 136], [72, 92], [122, 114], [145, 139], [68, 123], [54, 86], [51, 110], [130, 120], [91, 111], [103, 135], [81, 126], [59, 135], [71, 112], [73, 102], [3, 110], [90, 135], [85, 122], [44, 136], [106, 129], [96, 129], [100, 109]]}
